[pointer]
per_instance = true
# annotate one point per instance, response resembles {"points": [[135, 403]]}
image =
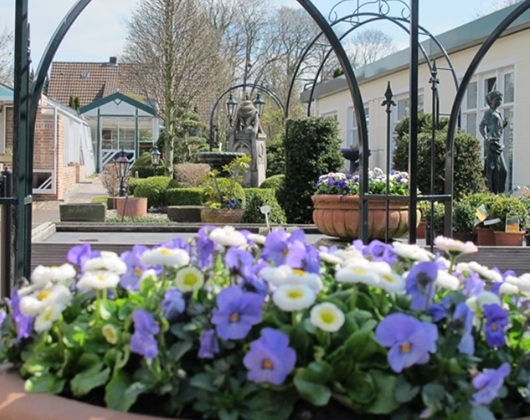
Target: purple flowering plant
{"points": [[340, 183], [236, 325]]}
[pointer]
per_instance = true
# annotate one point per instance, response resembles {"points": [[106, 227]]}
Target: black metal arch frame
{"points": [[259, 87], [399, 21]]}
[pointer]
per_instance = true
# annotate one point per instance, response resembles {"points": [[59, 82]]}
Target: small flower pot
{"points": [[131, 206], [508, 238], [485, 236]]}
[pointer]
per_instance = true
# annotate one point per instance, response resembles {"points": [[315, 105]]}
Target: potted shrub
{"points": [[435, 227], [482, 202], [336, 205], [464, 220], [111, 181], [224, 198], [236, 325], [502, 207]]}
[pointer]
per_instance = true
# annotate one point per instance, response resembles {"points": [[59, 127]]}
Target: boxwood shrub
{"points": [[184, 196], [274, 182], [144, 167], [312, 148], [258, 197], [155, 189]]}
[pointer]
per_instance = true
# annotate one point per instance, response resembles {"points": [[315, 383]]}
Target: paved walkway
{"points": [[48, 211]]}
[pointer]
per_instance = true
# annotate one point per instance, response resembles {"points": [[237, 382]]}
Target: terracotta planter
{"points": [[16, 404], [131, 206], [339, 216], [508, 238], [485, 236], [420, 230], [225, 216]]}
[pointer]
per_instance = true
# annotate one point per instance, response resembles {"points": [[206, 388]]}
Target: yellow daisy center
{"points": [[190, 279], [327, 316], [298, 272], [295, 294], [43, 295]]}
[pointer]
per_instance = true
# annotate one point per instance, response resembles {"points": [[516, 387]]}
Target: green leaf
{"points": [[384, 402], [361, 388], [121, 392], [405, 392], [91, 378], [179, 349], [270, 405], [479, 412], [228, 415], [432, 395], [316, 394], [203, 381], [47, 383]]}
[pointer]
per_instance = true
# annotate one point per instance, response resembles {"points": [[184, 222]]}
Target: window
{"points": [[353, 138]]}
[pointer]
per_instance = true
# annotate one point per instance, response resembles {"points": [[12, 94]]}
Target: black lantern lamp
{"points": [[155, 159], [259, 104], [122, 164], [231, 105]]}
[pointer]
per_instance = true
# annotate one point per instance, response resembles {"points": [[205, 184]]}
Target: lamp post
{"points": [[155, 159], [122, 164], [231, 105], [259, 104]]}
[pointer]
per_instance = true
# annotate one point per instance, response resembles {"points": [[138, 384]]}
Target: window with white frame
{"points": [[352, 136], [474, 106], [332, 114]]}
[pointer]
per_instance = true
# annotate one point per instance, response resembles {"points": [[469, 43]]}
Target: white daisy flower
{"points": [[227, 236], [357, 271], [44, 321], [476, 303], [298, 276], [36, 303], [42, 276], [189, 279], [330, 258], [481, 270], [523, 282], [98, 280], [293, 297], [275, 275], [169, 257], [412, 252], [110, 333], [258, 239], [508, 288], [327, 316], [450, 245], [109, 261], [348, 254], [447, 281]]}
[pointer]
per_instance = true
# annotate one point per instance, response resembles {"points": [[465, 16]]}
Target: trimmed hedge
{"points": [[274, 182], [133, 183], [154, 189], [184, 196], [258, 197], [312, 148]]}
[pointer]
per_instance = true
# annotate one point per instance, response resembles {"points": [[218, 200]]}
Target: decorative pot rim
{"points": [[17, 404], [337, 200]]}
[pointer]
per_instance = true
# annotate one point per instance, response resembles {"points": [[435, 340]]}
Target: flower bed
{"points": [[236, 325]]}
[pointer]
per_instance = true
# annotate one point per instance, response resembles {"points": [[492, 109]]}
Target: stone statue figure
{"points": [[247, 136], [491, 128]]}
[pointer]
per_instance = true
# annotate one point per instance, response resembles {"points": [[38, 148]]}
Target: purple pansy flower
{"points": [[284, 249], [496, 322], [237, 311], [173, 304], [23, 324], [488, 383], [143, 341], [379, 251], [209, 345], [205, 247], [410, 341], [474, 285], [239, 261], [463, 317], [79, 254], [420, 284], [130, 280], [270, 359]]}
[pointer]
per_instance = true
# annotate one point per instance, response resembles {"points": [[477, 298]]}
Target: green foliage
{"points": [[255, 199], [464, 218], [502, 205], [187, 148], [226, 193], [144, 167], [132, 183], [468, 166], [274, 182], [275, 156], [312, 147], [154, 189], [184, 196], [438, 212]]}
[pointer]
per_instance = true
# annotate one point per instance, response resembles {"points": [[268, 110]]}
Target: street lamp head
{"points": [[259, 104], [155, 156], [231, 105], [122, 164]]}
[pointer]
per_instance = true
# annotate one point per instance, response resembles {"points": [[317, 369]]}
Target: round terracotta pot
{"points": [[508, 238], [16, 404], [339, 216], [485, 236], [226, 216], [131, 206]]}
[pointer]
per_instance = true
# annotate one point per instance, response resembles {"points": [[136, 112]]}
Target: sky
{"points": [[100, 30]]}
